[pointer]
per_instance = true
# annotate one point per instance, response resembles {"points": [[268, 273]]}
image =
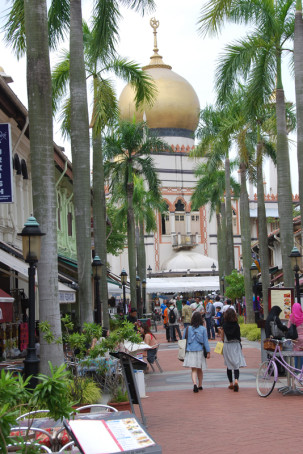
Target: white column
{"points": [[172, 223], [188, 223]]}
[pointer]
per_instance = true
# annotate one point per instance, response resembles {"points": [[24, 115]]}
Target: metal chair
{"points": [[156, 362], [105, 407]]}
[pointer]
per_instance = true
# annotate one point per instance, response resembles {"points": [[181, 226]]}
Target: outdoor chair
{"points": [[155, 362]]}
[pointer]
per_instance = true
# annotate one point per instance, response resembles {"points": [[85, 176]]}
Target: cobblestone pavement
{"points": [[218, 420]]}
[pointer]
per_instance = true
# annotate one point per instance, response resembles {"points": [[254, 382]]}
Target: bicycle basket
{"points": [[270, 345]]}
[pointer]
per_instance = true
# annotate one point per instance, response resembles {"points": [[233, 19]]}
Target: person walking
{"points": [[165, 321], [210, 312], [296, 317], [186, 314], [173, 321], [196, 336], [232, 348]]}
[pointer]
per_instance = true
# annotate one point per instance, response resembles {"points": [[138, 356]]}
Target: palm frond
{"points": [[14, 28], [58, 21]]}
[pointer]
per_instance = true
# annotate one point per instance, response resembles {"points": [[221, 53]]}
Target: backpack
{"points": [[172, 316], [213, 310]]}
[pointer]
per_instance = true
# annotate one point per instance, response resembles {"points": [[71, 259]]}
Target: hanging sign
{"points": [[6, 170]]}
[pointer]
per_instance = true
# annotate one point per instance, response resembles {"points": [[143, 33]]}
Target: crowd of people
{"points": [[203, 321]]}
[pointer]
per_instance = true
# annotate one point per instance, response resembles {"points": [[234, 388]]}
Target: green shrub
{"points": [[254, 334], [241, 320]]}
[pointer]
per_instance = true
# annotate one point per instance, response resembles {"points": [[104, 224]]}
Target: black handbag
{"points": [[292, 332], [204, 352]]}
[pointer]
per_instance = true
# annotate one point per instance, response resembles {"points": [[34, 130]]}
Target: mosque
{"points": [[182, 253]]}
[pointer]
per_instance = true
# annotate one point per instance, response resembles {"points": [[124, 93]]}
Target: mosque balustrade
{"points": [[182, 241]]}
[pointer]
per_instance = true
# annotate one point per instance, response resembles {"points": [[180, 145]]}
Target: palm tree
{"points": [[105, 111], [128, 150], [298, 60], [210, 188], [257, 58], [215, 146], [43, 171]]}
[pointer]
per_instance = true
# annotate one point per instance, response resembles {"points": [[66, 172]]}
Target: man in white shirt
{"points": [[227, 305]]}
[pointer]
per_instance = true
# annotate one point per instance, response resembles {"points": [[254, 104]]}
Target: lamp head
{"points": [[123, 276], [97, 266], [31, 240]]}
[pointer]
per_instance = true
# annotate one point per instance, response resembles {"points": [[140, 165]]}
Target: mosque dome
{"points": [[176, 107], [187, 260]]}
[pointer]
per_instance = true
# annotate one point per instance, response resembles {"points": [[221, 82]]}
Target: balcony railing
{"points": [[181, 241]]}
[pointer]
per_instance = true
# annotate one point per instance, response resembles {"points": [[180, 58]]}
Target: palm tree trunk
{"points": [[230, 259], [43, 172], [131, 243], [298, 59], [223, 229], [284, 190], [246, 244], [262, 227], [80, 147], [220, 249], [141, 259], [99, 213]]}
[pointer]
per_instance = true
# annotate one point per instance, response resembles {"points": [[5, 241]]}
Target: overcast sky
{"points": [[190, 55]]}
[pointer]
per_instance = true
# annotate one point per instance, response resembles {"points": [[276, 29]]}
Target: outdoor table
{"points": [[290, 388]]}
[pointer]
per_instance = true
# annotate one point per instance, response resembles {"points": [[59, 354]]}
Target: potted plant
{"points": [[83, 391], [119, 399]]}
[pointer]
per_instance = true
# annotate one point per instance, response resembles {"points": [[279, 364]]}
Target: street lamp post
{"points": [[31, 246], [97, 273], [138, 290], [123, 276], [294, 256], [144, 295], [213, 267], [223, 281], [149, 269]]}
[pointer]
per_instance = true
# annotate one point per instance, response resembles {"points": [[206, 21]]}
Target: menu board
{"points": [[109, 436], [282, 297]]}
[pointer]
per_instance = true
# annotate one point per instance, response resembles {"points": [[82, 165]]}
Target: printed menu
{"points": [[110, 436], [284, 298]]}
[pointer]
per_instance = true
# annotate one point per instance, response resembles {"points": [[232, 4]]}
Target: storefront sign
{"points": [[6, 171], [284, 298]]}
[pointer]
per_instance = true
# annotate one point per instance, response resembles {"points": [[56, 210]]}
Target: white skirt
{"points": [[195, 359]]}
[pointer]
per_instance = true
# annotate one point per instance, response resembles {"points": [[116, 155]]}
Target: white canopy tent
{"points": [[182, 284]]}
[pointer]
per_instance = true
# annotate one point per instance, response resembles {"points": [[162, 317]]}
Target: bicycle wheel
{"points": [[266, 378]]}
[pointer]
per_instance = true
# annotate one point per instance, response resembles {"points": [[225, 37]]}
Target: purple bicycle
{"points": [[267, 375]]}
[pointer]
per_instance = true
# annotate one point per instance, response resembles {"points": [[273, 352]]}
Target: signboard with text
{"points": [[284, 298], [6, 170]]}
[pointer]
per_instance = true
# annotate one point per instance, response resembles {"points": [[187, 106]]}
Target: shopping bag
{"points": [[219, 348], [182, 349]]}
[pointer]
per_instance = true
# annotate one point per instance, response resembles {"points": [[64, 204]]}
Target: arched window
{"points": [[165, 221], [59, 212], [24, 169], [180, 217], [16, 164]]}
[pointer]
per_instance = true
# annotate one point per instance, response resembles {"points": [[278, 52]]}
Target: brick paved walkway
{"points": [[217, 420]]}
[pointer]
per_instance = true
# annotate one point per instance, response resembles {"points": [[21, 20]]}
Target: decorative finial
{"points": [[154, 23], [156, 59]]}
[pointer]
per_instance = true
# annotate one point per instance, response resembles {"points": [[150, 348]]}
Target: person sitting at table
{"points": [[95, 341], [296, 318], [273, 316], [150, 340]]}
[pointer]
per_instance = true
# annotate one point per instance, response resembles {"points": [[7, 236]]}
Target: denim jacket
{"points": [[197, 337]]}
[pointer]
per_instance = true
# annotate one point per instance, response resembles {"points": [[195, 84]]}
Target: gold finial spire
{"points": [[155, 24], [156, 59]]}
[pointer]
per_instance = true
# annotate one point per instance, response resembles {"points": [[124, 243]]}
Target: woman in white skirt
{"points": [[196, 336], [232, 349]]}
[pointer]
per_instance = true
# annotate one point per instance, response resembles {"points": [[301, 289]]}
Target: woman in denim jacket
{"points": [[196, 336]]}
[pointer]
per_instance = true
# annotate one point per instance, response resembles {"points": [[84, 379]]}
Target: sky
{"points": [[192, 56]]}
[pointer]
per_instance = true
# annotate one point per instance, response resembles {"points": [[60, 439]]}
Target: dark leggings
{"points": [[230, 374]]}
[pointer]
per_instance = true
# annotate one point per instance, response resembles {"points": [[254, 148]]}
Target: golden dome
{"points": [[176, 104]]}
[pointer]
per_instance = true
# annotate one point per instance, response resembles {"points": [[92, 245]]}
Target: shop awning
{"points": [[5, 297], [182, 284], [67, 294], [14, 262]]}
